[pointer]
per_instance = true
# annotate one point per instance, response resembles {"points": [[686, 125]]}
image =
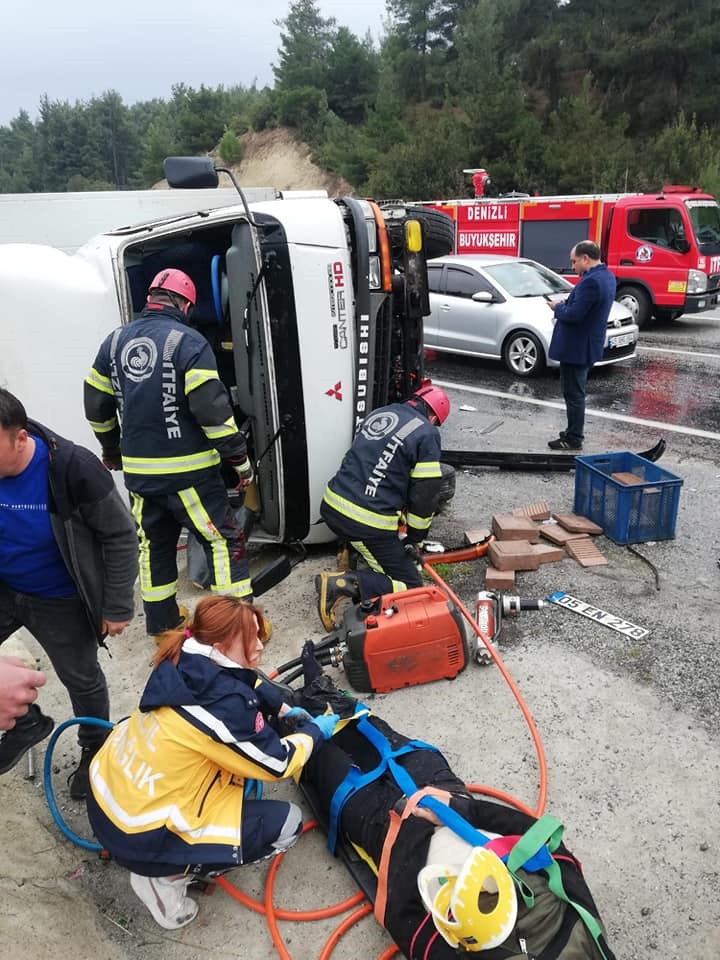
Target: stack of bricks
{"points": [[517, 544]]}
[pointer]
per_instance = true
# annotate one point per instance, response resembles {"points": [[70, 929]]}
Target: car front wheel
{"points": [[523, 354]]}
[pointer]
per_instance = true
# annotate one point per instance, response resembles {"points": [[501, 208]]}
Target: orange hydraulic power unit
{"points": [[401, 639]]}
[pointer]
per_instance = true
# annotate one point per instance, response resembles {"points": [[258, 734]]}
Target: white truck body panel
{"points": [[68, 220]]}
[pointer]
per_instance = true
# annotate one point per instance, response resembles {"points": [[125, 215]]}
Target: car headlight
{"points": [[697, 281]]}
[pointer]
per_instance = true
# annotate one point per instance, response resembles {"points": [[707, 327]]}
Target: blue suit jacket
{"points": [[581, 321]]}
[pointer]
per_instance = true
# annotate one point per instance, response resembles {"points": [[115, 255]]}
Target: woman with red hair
{"points": [[167, 787]]}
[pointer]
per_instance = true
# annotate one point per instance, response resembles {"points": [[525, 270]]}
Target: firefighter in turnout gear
{"points": [[392, 467], [156, 404]]}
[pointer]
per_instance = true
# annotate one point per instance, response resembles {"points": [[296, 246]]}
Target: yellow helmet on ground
{"points": [[473, 906]]}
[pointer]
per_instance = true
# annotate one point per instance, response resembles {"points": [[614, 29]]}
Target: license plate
{"points": [[623, 340], [599, 616]]}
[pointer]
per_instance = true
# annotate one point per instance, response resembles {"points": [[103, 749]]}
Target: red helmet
{"points": [[436, 399], [174, 281]]}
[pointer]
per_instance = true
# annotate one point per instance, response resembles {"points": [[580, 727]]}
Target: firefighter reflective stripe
{"points": [[226, 429], [426, 471], [99, 382], [105, 427], [157, 466], [360, 514], [419, 523], [367, 555], [148, 590], [195, 378], [200, 519]]}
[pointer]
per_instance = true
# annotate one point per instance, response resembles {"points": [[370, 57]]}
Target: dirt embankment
{"points": [[274, 158]]}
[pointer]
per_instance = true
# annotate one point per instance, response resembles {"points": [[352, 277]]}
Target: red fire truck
{"points": [[663, 248]]}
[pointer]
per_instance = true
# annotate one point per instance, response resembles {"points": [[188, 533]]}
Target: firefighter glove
{"points": [[326, 724], [245, 473], [112, 460], [413, 550]]}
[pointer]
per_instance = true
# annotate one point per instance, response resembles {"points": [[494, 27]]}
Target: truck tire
{"points": [[447, 488], [438, 229], [523, 354], [637, 302]]}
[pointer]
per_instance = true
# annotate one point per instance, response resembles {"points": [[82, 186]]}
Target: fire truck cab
{"points": [[663, 248]]}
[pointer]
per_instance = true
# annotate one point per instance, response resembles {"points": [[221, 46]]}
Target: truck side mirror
{"points": [[483, 296], [681, 245], [188, 173]]}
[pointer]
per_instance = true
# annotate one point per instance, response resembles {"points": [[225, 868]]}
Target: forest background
{"points": [[553, 96]]}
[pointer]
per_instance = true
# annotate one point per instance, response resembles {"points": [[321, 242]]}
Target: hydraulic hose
{"points": [[456, 556], [542, 794], [47, 779]]}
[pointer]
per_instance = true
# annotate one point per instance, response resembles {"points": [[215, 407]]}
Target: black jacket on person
{"points": [[93, 529]]}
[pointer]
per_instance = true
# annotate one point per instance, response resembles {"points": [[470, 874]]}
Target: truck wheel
{"points": [[523, 354], [447, 487], [637, 302], [438, 228]]}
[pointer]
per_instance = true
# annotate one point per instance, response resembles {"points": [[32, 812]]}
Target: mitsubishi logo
{"points": [[335, 391]]}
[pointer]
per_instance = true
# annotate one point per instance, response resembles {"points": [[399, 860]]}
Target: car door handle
{"points": [[445, 306]]}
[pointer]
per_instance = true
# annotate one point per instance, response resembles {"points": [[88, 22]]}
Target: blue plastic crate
{"points": [[627, 513]]}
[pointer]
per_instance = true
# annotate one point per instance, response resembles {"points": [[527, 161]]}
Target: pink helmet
{"points": [[174, 281], [436, 399]]}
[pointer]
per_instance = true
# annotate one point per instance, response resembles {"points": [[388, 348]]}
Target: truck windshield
{"points": [[705, 220]]}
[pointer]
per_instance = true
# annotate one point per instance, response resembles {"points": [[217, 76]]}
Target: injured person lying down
{"points": [[448, 873]]}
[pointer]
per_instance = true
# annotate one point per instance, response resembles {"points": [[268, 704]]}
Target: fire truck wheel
{"points": [[637, 302], [523, 354], [438, 229]]}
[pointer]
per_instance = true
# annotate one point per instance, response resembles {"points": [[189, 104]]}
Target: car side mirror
{"points": [[483, 296]]}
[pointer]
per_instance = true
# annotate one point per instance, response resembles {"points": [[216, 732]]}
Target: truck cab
{"points": [[314, 321], [665, 252]]}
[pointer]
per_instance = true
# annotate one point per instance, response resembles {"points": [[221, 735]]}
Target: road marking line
{"points": [[602, 414], [686, 353]]}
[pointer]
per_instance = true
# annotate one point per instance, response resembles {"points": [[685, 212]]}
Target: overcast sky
{"points": [[75, 49]]}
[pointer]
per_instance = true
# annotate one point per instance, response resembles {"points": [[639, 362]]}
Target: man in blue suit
{"points": [[578, 339]]}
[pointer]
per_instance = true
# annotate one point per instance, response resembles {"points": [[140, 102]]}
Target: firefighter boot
{"points": [[184, 615], [332, 590]]}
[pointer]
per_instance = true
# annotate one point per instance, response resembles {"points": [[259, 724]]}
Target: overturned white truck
{"points": [[314, 310]]}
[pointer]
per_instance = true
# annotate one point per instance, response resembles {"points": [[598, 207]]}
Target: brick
{"points": [[512, 555], [535, 511], [499, 579], [558, 535], [477, 535], [628, 479], [507, 527], [547, 553], [585, 552], [577, 524]]}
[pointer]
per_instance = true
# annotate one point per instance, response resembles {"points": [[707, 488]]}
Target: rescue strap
{"points": [[355, 779], [531, 852]]}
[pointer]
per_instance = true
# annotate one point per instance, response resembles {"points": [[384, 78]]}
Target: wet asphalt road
{"points": [[675, 378]]}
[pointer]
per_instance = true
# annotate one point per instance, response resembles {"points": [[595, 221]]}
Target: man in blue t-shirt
{"points": [[68, 562]]}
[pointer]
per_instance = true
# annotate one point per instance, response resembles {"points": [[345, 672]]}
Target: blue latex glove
{"points": [[326, 724], [297, 714]]}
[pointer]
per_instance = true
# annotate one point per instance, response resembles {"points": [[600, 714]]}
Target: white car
{"points": [[500, 307]]}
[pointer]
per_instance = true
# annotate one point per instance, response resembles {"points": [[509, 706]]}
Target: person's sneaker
{"points": [[332, 590], [79, 779], [28, 730], [166, 899], [562, 444]]}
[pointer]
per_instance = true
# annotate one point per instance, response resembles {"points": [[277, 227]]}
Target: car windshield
{"points": [[705, 220], [522, 278]]}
